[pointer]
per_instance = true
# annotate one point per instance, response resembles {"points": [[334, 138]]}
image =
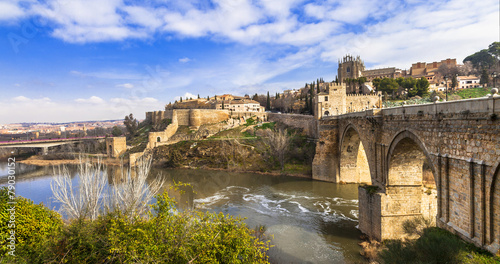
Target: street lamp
{"points": [[494, 76], [351, 108]]}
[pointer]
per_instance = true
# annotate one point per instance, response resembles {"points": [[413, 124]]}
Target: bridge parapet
{"points": [[489, 104], [477, 105]]}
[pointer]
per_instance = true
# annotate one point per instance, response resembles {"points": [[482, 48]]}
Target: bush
{"points": [[185, 237], [434, 246], [166, 236], [33, 224]]}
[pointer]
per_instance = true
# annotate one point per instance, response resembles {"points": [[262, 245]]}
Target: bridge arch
{"points": [[411, 190], [416, 149], [494, 207], [354, 164]]}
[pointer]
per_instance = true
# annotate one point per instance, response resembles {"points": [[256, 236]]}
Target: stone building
{"points": [[240, 105], [116, 146], [336, 101], [350, 67], [390, 72], [430, 70]]}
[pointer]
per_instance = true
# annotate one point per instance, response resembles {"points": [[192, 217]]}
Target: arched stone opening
{"points": [[494, 204], [158, 139], [411, 188], [110, 149], [354, 165]]}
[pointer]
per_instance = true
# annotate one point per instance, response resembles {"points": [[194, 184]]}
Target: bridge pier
{"points": [[45, 150]]}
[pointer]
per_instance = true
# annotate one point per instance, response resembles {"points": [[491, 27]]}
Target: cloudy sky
{"points": [[71, 60]]}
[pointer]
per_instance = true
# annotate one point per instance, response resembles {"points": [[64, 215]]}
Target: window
{"points": [[348, 69], [326, 98]]}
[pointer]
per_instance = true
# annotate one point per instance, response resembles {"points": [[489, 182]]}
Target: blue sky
{"points": [[70, 60]]}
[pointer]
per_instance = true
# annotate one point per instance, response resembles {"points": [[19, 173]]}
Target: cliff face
{"points": [[236, 150]]}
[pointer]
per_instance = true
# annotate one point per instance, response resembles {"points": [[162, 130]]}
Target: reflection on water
{"points": [[311, 221]]}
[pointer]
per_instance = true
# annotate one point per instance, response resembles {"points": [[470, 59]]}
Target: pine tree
{"points": [[222, 104], [208, 97], [268, 102], [311, 106], [198, 96], [307, 104], [181, 99]]}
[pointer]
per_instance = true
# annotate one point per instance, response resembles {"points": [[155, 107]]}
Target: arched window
{"points": [[348, 69], [158, 139]]}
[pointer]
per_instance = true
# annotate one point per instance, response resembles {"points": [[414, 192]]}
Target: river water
{"points": [[311, 221]]}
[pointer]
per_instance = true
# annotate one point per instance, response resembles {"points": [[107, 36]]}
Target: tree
{"points": [[482, 59], [181, 99], [268, 102], [494, 49], [130, 124], [422, 86], [311, 96], [222, 104], [198, 96], [376, 83], [308, 108], [485, 78], [278, 142], [388, 85], [454, 82], [116, 132]]}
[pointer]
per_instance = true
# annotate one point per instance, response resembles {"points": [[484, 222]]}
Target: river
{"points": [[311, 221]]}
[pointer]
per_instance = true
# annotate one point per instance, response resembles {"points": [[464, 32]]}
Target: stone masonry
{"points": [[456, 142]]}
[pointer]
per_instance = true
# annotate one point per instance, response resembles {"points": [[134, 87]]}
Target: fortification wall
{"points": [[115, 146], [183, 116], [360, 102], [305, 122], [156, 117], [198, 117]]}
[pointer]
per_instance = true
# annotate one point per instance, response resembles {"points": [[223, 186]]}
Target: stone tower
{"points": [[350, 67]]}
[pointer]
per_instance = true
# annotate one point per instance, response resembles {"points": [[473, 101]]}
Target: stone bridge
{"points": [[440, 161]]}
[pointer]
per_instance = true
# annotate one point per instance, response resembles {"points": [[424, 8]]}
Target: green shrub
{"points": [[33, 223], [181, 237], [166, 236], [435, 246]]}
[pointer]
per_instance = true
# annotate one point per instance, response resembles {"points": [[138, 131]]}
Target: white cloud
{"points": [[10, 10], [112, 75], [94, 108], [126, 85], [184, 60], [91, 100]]}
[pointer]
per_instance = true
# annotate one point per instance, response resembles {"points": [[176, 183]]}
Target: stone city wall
{"points": [[305, 122], [358, 102]]}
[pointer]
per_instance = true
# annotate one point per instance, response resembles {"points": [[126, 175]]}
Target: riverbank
{"points": [[42, 161]]}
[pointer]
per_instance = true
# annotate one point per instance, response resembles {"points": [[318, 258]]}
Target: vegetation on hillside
{"points": [[247, 147], [472, 93]]}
